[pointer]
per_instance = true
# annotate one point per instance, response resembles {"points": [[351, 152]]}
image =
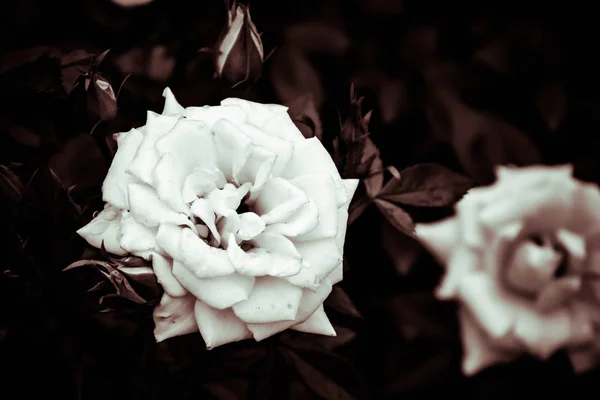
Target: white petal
{"points": [[200, 258], [137, 238], [220, 293], [105, 227], [250, 226], [191, 142], [227, 226], [337, 275], [174, 317], [261, 262], [211, 114], [275, 243], [219, 327], [203, 209], [201, 182], [479, 351], [317, 323], [272, 299], [149, 210], [310, 157], [168, 237], [440, 238], [146, 156], [172, 107], [281, 147], [320, 188], [319, 259], [308, 305], [463, 261], [279, 200], [163, 269], [303, 221], [281, 125], [233, 148], [227, 200], [114, 187]]}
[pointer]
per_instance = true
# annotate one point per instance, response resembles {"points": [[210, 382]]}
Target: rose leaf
{"points": [[426, 185], [341, 302], [396, 216], [316, 380]]}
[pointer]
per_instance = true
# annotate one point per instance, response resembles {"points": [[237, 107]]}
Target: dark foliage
{"points": [[440, 93]]}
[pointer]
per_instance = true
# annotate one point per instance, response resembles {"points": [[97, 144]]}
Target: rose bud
{"points": [[100, 97], [240, 51]]}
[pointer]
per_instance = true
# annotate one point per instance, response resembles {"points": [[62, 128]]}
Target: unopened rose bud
{"points": [[101, 98], [240, 49]]}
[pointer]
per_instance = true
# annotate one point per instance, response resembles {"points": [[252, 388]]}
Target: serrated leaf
{"points": [[426, 185], [341, 302], [396, 216], [313, 378]]}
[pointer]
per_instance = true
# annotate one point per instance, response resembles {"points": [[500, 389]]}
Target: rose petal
{"points": [[308, 305], [233, 148], [319, 259], [260, 262], [172, 107], [574, 245], [321, 190], [203, 209], [147, 156], [543, 334], [462, 263], [137, 238], [479, 351], [220, 292], [225, 201], [211, 114], [257, 169], [488, 304], [201, 182], [149, 210], [317, 323], [275, 243], [200, 258], [219, 327], [272, 299], [440, 238], [468, 210], [114, 187], [310, 157], [586, 215], [163, 269], [174, 317], [279, 200], [250, 226], [337, 275], [557, 293], [227, 226], [281, 147], [104, 228], [168, 237]]}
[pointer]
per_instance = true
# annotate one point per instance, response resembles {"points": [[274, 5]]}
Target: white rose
{"points": [[243, 219], [522, 258]]}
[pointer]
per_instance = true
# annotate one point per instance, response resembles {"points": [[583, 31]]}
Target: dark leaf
{"points": [[79, 162], [21, 134], [339, 301], [396, 216], [426, 185], [11, 187], [402, 249], [305, 115], [316, 380], [357, 208], [308, 341]]}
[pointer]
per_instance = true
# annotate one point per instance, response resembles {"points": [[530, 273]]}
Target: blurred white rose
{"points": [[522, 258], [243, 219]]}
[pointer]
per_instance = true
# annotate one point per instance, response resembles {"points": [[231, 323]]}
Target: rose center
{"points": [[536, 262]]}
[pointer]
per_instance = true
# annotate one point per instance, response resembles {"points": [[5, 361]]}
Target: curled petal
{"points": [[281, 147], [257, 169], [149, 210], [260, 262], [250, 226], [317, 323], [308, 305], [227, 226], [114, 187], [200, 258], [279, 200], [137, 238], [227, 200], [163, 269], [557, 293], [319, 259], [104, 228], [310, 157], [233, 148], [174, 317], [272, 299], [275, 243], [220, 292], [147, 156], [172, 107], [202, 209], [219, 327], [201, 182]]}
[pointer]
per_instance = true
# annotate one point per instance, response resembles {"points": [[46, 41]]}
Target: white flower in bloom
{"points": [[522, 258], [243, 219]]}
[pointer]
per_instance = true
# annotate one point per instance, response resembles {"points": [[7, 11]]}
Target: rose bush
{"points": [[522, 259], [243, 219]]}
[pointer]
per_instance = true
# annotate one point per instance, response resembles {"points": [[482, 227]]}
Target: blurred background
{"points": [[468, 85]]}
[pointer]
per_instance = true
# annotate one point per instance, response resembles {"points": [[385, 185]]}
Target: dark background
{"points": [[468, 85]]}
